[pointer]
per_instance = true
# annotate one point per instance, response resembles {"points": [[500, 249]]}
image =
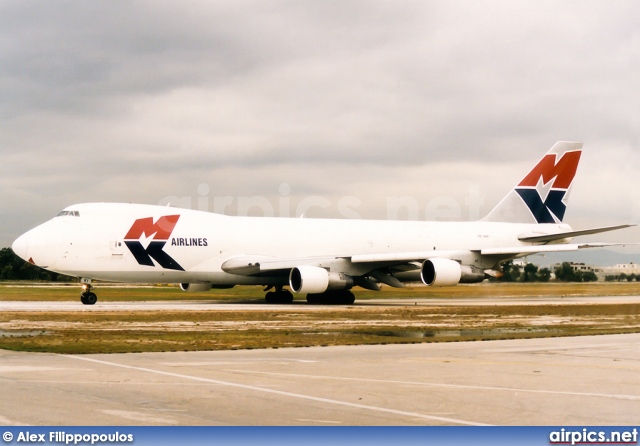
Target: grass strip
{"points": [[119, 332]]}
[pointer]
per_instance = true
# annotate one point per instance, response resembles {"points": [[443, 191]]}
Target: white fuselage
{"points": [[90, 242]]}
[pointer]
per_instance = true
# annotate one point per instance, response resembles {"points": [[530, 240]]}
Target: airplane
{"points": [[322, 258]]}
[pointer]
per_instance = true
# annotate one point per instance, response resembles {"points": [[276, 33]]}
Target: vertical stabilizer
{"points": [[542, 195]]}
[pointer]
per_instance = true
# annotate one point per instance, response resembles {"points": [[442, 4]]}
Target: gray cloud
{"points": [[135, 101]]}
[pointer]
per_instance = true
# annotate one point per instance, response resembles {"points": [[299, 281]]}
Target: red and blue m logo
{"points": [[544, 189], [159, 231]]}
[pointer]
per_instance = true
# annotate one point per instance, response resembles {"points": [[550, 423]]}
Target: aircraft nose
{"points": [[21, 247], [39, 246]]}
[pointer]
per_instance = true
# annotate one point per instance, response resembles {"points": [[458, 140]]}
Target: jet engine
{"points": [[315, 280], [447, 272], [195, 287]]}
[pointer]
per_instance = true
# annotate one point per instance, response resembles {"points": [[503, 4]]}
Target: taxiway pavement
{"points": [[591, 380]]}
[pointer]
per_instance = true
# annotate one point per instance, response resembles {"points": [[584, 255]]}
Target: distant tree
{"points": [[544, 274], [563, 272], [510, 272], [505, 271], [10, 265], [530, 273], [7, 273], [566, 273], [631, 277], [589, 276], [622, 277]]}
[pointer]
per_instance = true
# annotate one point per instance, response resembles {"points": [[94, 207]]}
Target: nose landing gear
{"points": [[88, 297]]}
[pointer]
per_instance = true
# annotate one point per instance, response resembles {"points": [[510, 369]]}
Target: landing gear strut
{"points": [[279, 296], [87, 297]]}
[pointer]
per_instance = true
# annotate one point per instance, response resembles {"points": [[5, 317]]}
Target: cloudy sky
{"points": [[331, 108]]}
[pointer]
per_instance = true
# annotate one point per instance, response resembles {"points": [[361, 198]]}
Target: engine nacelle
{"points": [[440, 272], [447, 272], [316, 280], [472, 274], [195, 287]]}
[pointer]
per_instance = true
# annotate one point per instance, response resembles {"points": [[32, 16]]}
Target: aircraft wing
{"points": [[253, 265], [358, 268], [420, 256], [363, 263], [533, 249], [416, 256]]}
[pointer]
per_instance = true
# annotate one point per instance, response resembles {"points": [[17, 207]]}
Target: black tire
{"points": [[286, 297], [348, 298], [83, 299], [338, 297], [314, 299], [90, 298], [270, 297], [279, 297]]}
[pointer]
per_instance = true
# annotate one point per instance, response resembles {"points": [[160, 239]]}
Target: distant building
{"points": [[603, 271], [576, 267], [617, 270]]}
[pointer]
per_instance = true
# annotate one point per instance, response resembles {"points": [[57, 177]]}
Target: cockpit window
{"points": [[69, 214]]}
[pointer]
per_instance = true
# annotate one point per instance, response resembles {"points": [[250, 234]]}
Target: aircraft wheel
{"points": [[348, 298], [279, 297], [314, 299], [270, 297], [286, 297], [83, 299], [338, 297], [89, 298]]}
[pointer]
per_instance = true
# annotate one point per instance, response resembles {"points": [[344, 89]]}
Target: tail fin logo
{"points": [[544, 190], [159, 232]]}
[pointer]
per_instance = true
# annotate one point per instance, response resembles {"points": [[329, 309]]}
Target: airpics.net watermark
{"points": [[593, 436], [403, 207]]}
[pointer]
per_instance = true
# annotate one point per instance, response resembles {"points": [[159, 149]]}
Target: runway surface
{"points": [[590, 380], [217, 305]]}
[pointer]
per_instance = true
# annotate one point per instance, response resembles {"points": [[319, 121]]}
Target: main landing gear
{"points": [[279, 296], [88, 297], [333, 297]]}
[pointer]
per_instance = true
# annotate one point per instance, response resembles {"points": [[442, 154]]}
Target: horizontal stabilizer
{"points": [[541, 238]]}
